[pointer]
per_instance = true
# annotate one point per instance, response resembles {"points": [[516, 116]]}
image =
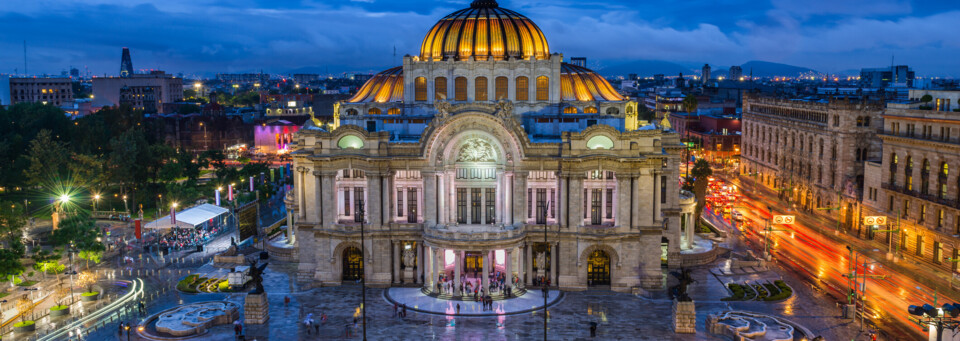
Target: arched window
{"points": [[942, 179], [858, 154], [350, 112], [859, 121], [503, 88], [908, 173], [460, 89], [420, 89], [613, 111], [866, 121], [543, 88], [480, 86], [570, 110], [863, 156], [590, 110], [523, 88], [393, 111], [373, 111], [925, 177], [440, 89]]}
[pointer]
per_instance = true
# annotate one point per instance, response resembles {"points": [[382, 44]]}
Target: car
{"points": [[737, 215]]}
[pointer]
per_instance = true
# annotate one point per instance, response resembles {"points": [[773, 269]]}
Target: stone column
{"points": [[456, 272], [437, 263], [622, 204], [429, 201], [427, 264], [500, 197], [575, 200], [483, 206], [316, 213], [485, 284], [302, 191], [528, 259], [519, 197], [508, 198], [374, 201], [419, 277], [441, 198], [554, 254], [396, 262], [291, 234], [386, 195], [562, 207], [642, 210], [329, 202], [656, 196], [507, 269]]}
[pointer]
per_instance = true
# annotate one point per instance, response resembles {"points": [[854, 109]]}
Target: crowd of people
{"points": [[184, 238], [472, 285]]}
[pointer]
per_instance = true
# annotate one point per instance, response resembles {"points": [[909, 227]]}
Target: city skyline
{"points": [[204, 37]]}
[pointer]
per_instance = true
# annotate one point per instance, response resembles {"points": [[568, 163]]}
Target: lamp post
{"points": [[96, 199], [125, 208], [358, 217], [204, 135]]}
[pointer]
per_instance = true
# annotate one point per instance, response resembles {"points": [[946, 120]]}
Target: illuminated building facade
{"points": [[811, 151], [915, 179], [148, 92], [55, 91], [486, 152]]}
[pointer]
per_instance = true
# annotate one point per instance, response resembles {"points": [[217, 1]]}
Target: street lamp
{"points": [[96, 199], [125, 208], [940, 318]]}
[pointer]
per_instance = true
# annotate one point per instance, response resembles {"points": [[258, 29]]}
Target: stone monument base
{"points": [[408, 276], [684, 317], [256, 309]]}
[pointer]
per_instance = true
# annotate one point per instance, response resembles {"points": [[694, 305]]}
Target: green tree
{"points": [[46, 261], [690, 103], [12, 220], [926, 98], [10, 264], [46, 157], [218, 160], [79, 231], [90, 170], [700, 172]]}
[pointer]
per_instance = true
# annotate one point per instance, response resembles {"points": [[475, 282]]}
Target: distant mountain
{"points": [[645, 68], [769, 69]]}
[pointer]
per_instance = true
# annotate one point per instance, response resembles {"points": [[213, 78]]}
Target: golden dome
{"points": [[582, 84], [484, 31], [386, 86]]}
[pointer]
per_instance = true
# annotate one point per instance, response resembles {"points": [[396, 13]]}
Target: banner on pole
{"points": [[251, 184], [230, 192], [137, 230], [173, 216], [217, 195]]}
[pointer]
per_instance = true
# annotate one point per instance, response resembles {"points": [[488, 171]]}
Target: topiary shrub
{"points": [[738, 293], [785, 292]]}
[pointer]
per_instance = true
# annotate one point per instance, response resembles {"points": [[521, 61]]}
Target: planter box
{"points": [[92, 298], [61, 312], [27, 328]]}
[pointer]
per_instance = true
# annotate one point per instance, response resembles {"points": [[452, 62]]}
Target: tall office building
{"points": [[705, 74], [735, 73], [126, 65], [895, 76]]}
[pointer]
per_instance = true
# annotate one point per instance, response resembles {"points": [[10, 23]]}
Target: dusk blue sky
{"points": [[202, 37]]}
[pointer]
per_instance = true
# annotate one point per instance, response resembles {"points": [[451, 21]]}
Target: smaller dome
{"points": [[582, 84], [386, 86]]}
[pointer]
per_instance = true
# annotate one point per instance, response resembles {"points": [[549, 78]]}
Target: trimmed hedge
{"points": [[88, 294], [58, 307], [761, 292], [738, 293], [785, 292], [23, 324], [187, 284]]}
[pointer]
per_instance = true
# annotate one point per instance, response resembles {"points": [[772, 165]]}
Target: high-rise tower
{"points": [[126, 66]]}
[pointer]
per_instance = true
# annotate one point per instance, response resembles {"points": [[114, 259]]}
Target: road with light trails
{"points": [[67, 332], [825, 262]]}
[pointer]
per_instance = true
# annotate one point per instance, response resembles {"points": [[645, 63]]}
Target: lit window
{"points": [[480, 86], [440, 88], [420, 86], [460, 89], [373, 111], [523, 88], [502, 88], [543, 88]]}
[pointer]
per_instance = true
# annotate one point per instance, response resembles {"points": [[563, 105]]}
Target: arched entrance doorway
{"points": [[352, 264], [598, 268]]}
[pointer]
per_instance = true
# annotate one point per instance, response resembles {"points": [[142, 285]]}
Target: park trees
{"points": [[701, 172]]}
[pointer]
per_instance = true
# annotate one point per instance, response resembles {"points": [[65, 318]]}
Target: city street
{"points": [[811, 248]]}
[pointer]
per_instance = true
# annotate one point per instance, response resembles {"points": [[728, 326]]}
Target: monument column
{"points": [[396, 262], [458, 258]]}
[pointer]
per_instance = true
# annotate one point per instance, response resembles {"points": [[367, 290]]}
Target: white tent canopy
{"points": [[190, 218]]}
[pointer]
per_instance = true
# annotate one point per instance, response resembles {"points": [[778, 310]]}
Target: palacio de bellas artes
{"points": [[486, 153]]}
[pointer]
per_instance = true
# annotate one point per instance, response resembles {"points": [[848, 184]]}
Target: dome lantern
{"points": [[484, 4]]}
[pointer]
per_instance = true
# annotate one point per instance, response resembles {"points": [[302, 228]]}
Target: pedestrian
{"points": [[394, 310], [237, 328], [593, 329], [306, 323], [404, 312], [347, 331], [120, 329], [458, 308], [286, 301], [316, 327]]}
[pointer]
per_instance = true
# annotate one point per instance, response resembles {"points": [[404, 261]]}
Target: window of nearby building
{"points": [[590, 110], [523, 88], [570, 110], [440, 89], [543, 88], [373, 111], [420, 86], [460, 89], [480, 86], [939, 218], [919, 250], [936, 252], [393, 111], [350, 142], [502, 88]]}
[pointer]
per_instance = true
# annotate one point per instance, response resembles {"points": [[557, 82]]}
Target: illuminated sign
{"points": [[784, 219]]}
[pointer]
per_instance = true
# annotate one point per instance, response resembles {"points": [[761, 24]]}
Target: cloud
{"points": [[843, 7]]}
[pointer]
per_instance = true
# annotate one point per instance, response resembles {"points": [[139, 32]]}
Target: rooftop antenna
{"points": [[25, 72]]}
